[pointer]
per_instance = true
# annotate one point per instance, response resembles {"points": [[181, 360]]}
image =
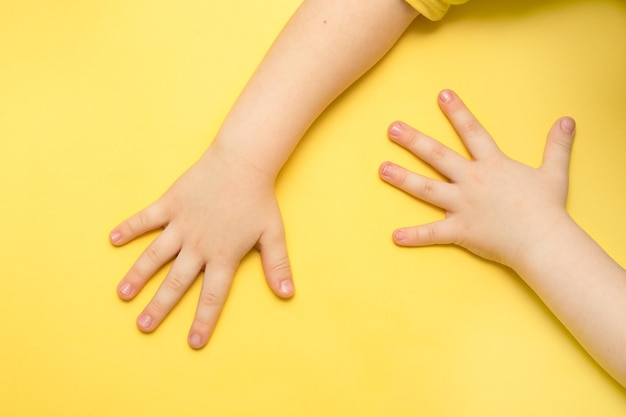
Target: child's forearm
{"points": [[584, 287], [324, 48]]}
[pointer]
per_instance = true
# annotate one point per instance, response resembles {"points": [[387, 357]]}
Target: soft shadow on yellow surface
{"points": [[104, 104]]}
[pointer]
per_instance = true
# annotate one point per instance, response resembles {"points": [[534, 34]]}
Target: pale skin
{"points": [[225, 205], [513, 214]]}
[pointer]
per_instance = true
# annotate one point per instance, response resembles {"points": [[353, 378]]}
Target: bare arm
{"points": [[224, 205], [583, 286], [514, 214], [325, 47]]}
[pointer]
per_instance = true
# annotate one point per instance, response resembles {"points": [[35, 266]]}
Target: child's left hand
{"points": [[495, 206]]}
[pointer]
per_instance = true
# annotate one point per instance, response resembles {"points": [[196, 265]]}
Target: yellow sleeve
{"points": [[433, 9]]}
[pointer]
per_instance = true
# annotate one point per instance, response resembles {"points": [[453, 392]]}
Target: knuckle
{"points": [[157, 308], [563, 144], [427, 187], [203, 324], [470, 126], [401, 178], [210, 299], [175, 283], [439, 151], [153, 255], [143, 219], [431, 234], [427, 234], [135, 275], [412, 138], [414, 141], [281, 266]]}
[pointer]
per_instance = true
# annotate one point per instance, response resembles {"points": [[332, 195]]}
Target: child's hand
{"points": [[495, 207], [212, 217]]}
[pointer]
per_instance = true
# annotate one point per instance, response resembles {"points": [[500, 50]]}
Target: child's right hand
{"points": [[212, 216]]}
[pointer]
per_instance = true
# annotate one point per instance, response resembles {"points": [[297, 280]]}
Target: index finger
{"points": [[150, 218], [477, 140]]}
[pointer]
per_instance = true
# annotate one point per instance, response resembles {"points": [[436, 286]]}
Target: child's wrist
{"points": [[541, 243], [239, 161]]}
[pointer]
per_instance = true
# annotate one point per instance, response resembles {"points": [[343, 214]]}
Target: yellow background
{"points": [[104, 103]]}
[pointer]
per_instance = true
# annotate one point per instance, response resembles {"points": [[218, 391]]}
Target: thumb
{"points": [[556, 156], [275, 260]]}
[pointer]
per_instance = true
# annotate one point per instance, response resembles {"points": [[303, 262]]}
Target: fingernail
{"points": [[286, 287], [126, 289], [145, 321], [396, 130], [195, 340], [387, 170], [116, 236], [445, 96], [399, 235], [568, 125]]}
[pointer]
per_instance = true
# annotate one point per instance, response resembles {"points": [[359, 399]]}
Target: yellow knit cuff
{"points": [[433, 9]]}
